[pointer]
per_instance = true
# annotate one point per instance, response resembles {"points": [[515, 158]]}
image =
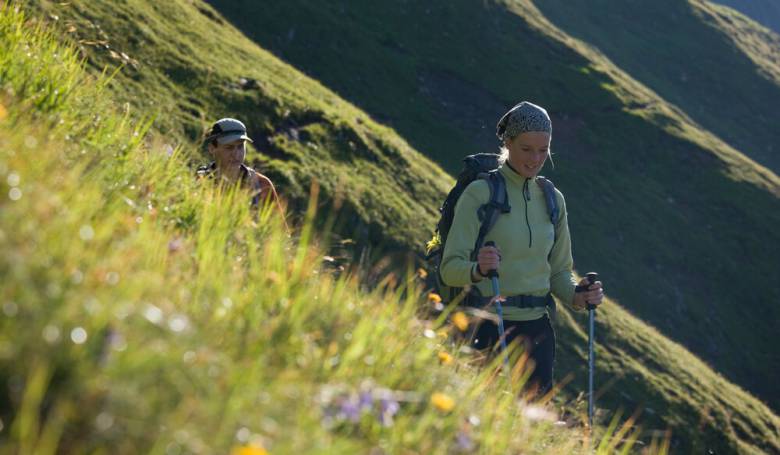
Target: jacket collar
{"points": [[513, 177]]}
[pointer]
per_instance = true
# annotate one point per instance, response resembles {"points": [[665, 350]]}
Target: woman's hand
{"points": [[592, 296], [488, 258]]}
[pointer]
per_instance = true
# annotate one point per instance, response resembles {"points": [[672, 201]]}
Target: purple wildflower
{"points": [[388, 408], [366, 401], [464, 441], [350, 409]]}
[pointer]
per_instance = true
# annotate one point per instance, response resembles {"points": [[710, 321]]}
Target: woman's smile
{"points": [[528, 152]]}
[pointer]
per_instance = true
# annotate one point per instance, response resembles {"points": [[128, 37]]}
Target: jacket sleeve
{"points": [[562, 281], [456, 263]]}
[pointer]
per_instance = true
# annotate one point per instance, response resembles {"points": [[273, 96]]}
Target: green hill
{"points": [[717, 66], [680, 223], [187, 80], [304, 130]]}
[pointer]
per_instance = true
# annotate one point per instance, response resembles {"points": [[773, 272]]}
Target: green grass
{"points": [[662, 206], [186, 79], [290, 334], [127, 330]]}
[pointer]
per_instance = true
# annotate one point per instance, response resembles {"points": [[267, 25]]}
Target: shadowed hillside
{"points": [[658, 204], [692, 54]]}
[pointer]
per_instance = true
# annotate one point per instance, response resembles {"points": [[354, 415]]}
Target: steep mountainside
{"points": [[680, 223], [720, 68], [185, 62], [187, 79]]}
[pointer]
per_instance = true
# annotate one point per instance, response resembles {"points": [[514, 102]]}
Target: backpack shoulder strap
{"points": [[254, 180], [549, 198], [497, 204], [207, 170]]}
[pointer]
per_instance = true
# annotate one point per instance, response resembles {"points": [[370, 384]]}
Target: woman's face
{"points": [[528, 152]]}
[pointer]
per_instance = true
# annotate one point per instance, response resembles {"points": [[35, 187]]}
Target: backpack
{"points": [[484, 166]]}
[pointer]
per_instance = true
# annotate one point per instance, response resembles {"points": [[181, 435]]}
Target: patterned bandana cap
{"points": [[524, 117]]}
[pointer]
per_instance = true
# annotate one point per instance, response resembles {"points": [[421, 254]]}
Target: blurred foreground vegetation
{"points": [[145, 312]]}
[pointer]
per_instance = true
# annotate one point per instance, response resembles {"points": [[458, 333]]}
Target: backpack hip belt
{"points": [[517, 301]]}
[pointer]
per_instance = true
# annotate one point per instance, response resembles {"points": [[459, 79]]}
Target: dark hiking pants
{"points": [[538, 340]]}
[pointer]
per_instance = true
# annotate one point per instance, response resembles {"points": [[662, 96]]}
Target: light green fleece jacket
{"points": [[525, 237]]}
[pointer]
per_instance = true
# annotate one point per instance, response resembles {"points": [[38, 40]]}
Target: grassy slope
{"points": [[678, 199], [187, 79], [748, 410], [639, 369], [125, 331], [726, 91]]}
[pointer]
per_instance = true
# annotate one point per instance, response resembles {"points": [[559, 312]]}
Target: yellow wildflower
{"points": [[442, 402], [434, 297], [4, 114], [422, 273], [445, 358], [248, 450], [461, 321]]}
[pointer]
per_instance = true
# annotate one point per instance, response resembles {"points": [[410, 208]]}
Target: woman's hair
{"points": [[503, 154]]}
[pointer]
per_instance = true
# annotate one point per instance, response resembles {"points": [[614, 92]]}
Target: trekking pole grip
{"points": [[491, 273], [592, 278]]}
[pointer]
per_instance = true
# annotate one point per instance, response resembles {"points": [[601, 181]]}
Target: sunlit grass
{"points": [[146, 312]]}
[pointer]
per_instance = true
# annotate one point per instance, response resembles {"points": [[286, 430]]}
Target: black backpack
{"points": [[480, 166]]}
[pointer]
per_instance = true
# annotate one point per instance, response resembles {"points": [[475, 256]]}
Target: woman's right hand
{"points": [[488, 258]]}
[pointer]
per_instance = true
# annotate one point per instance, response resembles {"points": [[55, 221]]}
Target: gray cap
{"points": [[228, 130], [522, 118]]}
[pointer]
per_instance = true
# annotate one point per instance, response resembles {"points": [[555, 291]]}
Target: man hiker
{"points": [[226, 143]]}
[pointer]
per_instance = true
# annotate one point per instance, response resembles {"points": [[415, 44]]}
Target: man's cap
{"points": [[228, 130]]}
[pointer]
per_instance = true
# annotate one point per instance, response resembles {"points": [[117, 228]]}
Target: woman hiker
{"points": [[226, 144], [533, 257]]}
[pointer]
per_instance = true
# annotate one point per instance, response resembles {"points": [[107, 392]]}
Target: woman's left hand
{"points": [[593, 296]]}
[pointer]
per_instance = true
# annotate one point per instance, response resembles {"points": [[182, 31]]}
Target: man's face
{"points": [[230, 154]]}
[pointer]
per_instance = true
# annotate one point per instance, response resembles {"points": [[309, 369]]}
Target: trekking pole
{"points": [[592, 277], [493, 275]]}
